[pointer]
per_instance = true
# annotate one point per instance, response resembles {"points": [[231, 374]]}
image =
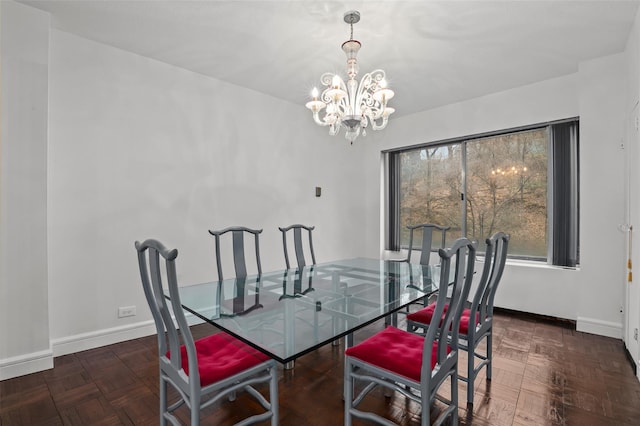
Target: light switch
{"points": [[318, 191]]}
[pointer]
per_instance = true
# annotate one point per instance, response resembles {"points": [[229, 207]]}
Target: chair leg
{"points": [[425, 417], [273, 396], [454, 396], [195, 411], [393, 320], [163, 400], [348, 392], [471, 376], [489, 354]]}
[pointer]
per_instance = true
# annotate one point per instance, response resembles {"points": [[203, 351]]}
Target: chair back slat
{"points": [[239, 261], [500, 255], [297, 240], [427, 241]]}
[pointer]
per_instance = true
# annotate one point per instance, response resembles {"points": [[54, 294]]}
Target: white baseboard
{"points": [[25, 364], [108, 336], [599, 327], [96, 339], [43, 360]]}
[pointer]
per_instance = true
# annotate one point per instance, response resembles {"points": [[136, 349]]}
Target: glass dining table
{"points": [[288, 313]]}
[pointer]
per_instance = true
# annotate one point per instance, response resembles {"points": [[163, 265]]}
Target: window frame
{"points": [[392, 185]]}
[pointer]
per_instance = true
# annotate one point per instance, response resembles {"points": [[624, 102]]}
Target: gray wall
{"points": [[24, 312]]}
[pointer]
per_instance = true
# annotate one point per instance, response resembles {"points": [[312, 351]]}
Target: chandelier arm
{"points": [[377, 77], [319, 122], [369, 108], [327, 78], [382, 125]]}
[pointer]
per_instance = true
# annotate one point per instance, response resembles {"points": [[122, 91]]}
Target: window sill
{"points": [[537, 264], [402, 255]]}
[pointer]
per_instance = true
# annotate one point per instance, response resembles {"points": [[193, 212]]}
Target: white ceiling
{"points": [[434, 52]]}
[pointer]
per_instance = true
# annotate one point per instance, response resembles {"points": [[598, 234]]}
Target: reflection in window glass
{"points": [[507, 190]]}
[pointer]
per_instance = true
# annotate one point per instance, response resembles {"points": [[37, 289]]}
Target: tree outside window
{"points": [[499, 182]]}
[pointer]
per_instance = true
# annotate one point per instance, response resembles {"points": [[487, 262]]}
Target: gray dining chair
{"points": [[238, 249], [298, 244], [473, 332], [205, 371], [426, 245], [413, 365]]}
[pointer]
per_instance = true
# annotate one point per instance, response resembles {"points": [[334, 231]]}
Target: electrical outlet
{"points": [[126, 311], [635, 334]]}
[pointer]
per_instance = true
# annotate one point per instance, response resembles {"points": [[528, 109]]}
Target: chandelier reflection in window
{"points": [[350, 104]]}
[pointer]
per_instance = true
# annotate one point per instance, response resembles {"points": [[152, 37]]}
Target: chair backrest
{"points": [[494, 262], [427, 240], [297, 243], [459, 258], [239, 262], [155, 260]]}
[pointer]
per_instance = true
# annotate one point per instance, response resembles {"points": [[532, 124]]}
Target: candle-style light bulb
{"points": [[315, 105], [336, 82], [382, 93]]}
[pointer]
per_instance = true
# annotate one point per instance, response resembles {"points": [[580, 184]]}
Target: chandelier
{"points": [[352, 105]]}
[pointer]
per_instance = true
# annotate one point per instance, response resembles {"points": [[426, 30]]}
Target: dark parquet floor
{"points": [[545, 373]]}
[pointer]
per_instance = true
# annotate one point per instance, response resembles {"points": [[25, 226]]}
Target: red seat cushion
{"points": [[425, 315], [464, 321], [221, 356], [395, 350]]}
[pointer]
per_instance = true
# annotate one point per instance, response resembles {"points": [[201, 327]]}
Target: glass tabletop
{"points": [[289, 313]]}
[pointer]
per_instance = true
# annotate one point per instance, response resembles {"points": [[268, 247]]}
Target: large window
{"points": [[523, 182]]}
